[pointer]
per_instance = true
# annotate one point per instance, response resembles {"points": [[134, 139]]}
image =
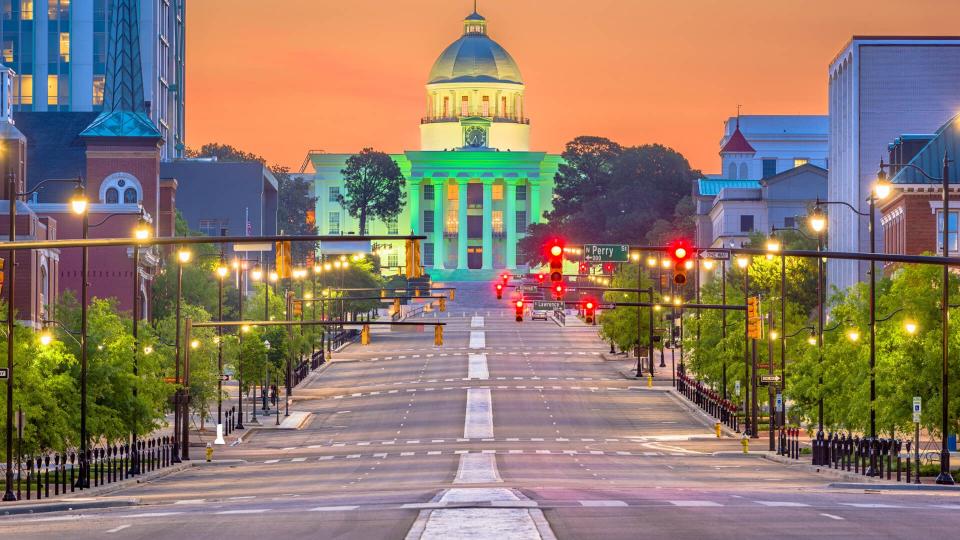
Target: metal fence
{"points": [[709, 401], [873, 457], [53, 474]]}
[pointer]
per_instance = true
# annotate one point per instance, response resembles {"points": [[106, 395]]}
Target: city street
{"points": [[510, 430]]}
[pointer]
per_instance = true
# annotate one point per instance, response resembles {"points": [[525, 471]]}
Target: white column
{"points": [[413, 203], [462, 224], [487, 223], [534, 196], [439, 221], [510, 222]]}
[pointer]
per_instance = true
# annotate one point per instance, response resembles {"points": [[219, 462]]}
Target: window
{"points": [[130, 196], [52, 87], [209, 227], [453, 221], [98, 82], [25, 86], [428, 221], [393, 260], [8, 51], [65, 46], [799, 162], [485, 106], [521, 193], [743, 171], [465, 106], [428, 192], [732, 171], [26, 10], [498, 192], [100, 48], [746, 223], [333, 223], [769, 168], [7, 9], [446, 107], [119, 185], [496, 221], [521, 221], [503, 106], [44, 293], [392, 226], [112, 196], [333, 194], [790, 222], [952, 238], [428, 254]]}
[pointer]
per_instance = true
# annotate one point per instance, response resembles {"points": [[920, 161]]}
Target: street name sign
{"points": [[546, 305], [916, 409], [224, 377], [4, 373], [608, 306], [714, 254], [606, 253], [766, 379], [779, 402]]}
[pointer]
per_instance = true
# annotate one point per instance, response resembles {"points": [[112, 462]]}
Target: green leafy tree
{"points": [[374, 187], [605, 193]]}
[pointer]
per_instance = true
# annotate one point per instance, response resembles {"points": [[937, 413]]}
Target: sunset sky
{"points": [[284, 77]]}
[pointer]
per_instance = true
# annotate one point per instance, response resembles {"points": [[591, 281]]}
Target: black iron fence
{"points": [[710, 401], [788, 442], [54, 474], [874, 457]]}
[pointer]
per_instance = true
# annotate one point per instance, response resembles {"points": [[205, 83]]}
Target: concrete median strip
{"points": [[478, 340], [477, 367]]}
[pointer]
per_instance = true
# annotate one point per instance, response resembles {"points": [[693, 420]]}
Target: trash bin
{"points": [[952, 443]]}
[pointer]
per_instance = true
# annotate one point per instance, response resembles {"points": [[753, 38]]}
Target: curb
{"points": [[698, 413], [857, 479], [67, 505], [893, 487]]}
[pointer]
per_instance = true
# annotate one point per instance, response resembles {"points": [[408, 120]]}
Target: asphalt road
{"points": [[510, 430]]}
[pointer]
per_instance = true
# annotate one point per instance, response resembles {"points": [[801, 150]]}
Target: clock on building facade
{"points": [[475, 137]]}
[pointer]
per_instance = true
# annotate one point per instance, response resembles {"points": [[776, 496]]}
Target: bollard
{"points": [[716, 426], [745, 443], [209, 452]]}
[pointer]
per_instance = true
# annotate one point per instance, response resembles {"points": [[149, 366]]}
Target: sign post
{"points": [[916, 434], [601, 253]]}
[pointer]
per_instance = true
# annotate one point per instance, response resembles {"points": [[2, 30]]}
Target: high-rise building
{"points": [[880, 88], [58, 49]]}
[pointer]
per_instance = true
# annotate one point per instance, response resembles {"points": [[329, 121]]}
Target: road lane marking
{"points": [[118, 529], [786, 504], [243, 511], [695, 503], [478, 340], [872, 505], [523, 521], [477, 367], [478, 421], [477, 469], [603, 503], [333, 508], [476, 322], [831, 516]]}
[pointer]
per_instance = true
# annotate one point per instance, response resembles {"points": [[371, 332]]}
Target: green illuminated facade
{"points": [[474, 186]]}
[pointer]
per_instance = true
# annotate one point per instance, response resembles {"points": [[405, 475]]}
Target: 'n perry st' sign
{"points": [[606, 253], [546, 305]]}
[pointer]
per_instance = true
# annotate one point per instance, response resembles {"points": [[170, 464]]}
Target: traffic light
{"points": [[365, 335], [680, 253], [2, 274], [555, 255], [754, 323], [297, 308], [505, 277], [608, 268], [499, 291], [589, 309], [519, 306], [443, 303], [558, 290], [583, 268], [438, 335], [540, 278], [414, 268]]}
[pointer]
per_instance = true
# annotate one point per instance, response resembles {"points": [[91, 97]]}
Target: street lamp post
{"points": [[179, 418], [240, 274], [142, 232], [818, 222], [749, 429], [944, 477], [222, 272]]}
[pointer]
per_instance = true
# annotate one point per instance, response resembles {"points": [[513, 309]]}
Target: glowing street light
{"points": [[910, 327]]}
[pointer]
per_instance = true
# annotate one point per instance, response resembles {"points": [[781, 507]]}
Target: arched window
{"points": [[743, 171], [121, 188], [732, 171], [44, 294]]}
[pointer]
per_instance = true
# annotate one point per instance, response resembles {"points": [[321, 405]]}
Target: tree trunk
{"points": [[363, 222]]}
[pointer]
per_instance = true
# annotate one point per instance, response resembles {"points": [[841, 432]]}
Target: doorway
{"points": [[474, 257]]}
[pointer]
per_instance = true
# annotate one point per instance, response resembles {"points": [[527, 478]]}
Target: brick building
{"points": [[912, 216]]}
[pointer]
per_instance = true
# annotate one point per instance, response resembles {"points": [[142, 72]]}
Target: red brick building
{"points": [[912, 216]]}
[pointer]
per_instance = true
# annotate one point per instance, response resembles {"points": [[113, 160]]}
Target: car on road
{"points": [[541, 314]]}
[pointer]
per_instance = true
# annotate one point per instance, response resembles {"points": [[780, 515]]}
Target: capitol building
{"points": [[474, 185]]}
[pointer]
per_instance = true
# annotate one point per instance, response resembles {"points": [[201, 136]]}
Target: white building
{"points": [[880, 88], [58, 49], [753, 149]]}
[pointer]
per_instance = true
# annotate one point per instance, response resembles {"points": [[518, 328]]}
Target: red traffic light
{"points": [[556, 250], [505, 277], [607, 268], [519, 303], [541, 277], [588, 305], [499, 291], [555, 253], [681, 253], [589, 309]]}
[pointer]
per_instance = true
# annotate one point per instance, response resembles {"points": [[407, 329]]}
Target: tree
{"points": [[607, 193], [374, 187]]}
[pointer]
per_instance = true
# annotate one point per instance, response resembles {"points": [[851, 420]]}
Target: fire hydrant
{"points": [[649, 381], [209, 452], [745, 443], [716, 426]]}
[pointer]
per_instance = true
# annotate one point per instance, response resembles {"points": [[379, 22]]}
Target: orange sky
{"points": [[283, 77]]}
